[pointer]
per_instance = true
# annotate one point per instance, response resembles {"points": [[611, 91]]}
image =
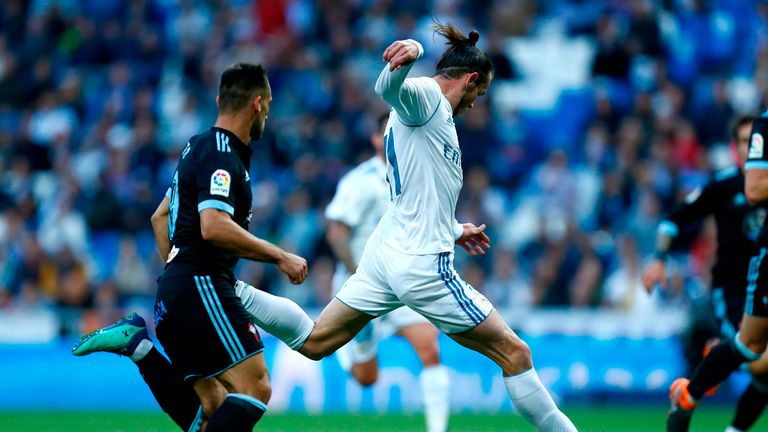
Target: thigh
{"points": [[203, 326], [429, 285], [336, 325]]}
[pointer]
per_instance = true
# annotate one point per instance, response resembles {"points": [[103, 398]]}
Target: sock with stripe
{"points": [[278, 316], [177, 398], [238, 413], [534, 403], [435, 387], [751, 406], [724, 358]]}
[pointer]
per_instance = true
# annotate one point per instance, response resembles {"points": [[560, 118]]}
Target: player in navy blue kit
{"points": [[738, 224], [211, 340], [749, 343]]}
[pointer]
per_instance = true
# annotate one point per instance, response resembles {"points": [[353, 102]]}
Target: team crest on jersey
{"points": [[756, 146], [252, 330], [220, 182]]}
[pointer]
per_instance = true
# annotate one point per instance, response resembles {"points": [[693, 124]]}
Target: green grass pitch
{"points": [[625, 419]]}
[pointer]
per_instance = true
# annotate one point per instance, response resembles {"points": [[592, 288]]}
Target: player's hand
{"points": [[294, 266], [474, 240], [655, 273], [400, 53]]}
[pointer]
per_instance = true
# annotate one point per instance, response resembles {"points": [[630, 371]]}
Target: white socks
{"points": [[142, 349], [534, 403], [435, 385], [279, 316]]}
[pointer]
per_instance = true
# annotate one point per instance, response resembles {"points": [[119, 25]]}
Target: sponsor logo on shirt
{"points": [[220, 181], [756, 146]]}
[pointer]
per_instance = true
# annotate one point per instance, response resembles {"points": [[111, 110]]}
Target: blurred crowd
{"points": [[97, 99]]}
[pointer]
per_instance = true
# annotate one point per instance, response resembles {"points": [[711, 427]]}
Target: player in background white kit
{"points": [[361, 198], [409, 258]]}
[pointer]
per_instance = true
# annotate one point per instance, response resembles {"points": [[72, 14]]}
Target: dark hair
{"points": [[239, 84], [462, 56], [739, 122]]}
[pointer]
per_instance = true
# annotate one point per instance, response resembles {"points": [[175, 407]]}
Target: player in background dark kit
{"points": [[209, 337], [738, 224], [749, 343]]}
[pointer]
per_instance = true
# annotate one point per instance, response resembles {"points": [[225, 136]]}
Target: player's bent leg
{"points": [[336, 325], [128, 336], [494, 339], [497, 341], [248, 392], [211, 394]]}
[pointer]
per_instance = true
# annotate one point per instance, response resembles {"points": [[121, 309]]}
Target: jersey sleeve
{"points": [[698, 205], [757, 157], [217, 173], [414, 99], [348, 204]]}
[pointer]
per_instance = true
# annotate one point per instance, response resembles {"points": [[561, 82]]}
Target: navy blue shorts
{"points": [[202, 324]]}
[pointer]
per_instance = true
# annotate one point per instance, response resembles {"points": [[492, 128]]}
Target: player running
{"points": [[209, 337], [749, 343], [738, 225], [361, 199], [408, 260]]}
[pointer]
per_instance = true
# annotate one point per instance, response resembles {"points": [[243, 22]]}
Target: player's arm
{"points": [[160, 229], [698, 205], [413, 102], [216, 173], [217, 227], [339, 236]]}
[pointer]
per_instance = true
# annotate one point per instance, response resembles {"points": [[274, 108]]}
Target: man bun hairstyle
{"points": [[239, 84], [462, 55]]}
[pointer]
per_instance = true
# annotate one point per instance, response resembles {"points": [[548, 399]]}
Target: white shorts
{"points": [[387, 279]]}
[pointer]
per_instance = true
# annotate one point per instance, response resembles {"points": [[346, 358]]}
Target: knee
{"points": [[753, 344], [428, 353], [260, 389], [517, 355], [212, 401], [365, 376]]}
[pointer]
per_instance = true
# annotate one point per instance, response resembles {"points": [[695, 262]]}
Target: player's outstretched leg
{"points": [[494, 339], [128, 337], [435, 383], [754, 399]]}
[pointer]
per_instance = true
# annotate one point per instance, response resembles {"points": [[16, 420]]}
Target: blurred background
{"points": [[602, 116]]}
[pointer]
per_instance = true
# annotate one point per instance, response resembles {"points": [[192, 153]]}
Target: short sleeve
{"points": [[349, 203], [757, 157], [217, 173]]}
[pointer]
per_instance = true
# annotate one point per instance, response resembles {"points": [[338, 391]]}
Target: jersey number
{"points": [[174, 206], [395, 187]]}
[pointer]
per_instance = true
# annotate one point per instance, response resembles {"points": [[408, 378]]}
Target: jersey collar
{"points": [[245, 151]]}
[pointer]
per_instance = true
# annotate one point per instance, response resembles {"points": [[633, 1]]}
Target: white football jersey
{"points": [[423, 165], [361, 199]]}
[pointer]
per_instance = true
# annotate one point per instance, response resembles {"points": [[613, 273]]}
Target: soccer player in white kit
{"points": [[361, 198], [408, 260]]}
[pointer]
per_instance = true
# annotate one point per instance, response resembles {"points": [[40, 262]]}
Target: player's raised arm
{"points": [[414, 100]]}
